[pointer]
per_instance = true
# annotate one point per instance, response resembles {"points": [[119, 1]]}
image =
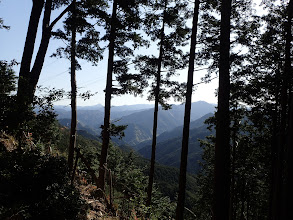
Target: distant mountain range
{"points": [[139, 119], [168, 148], [138, 134]]}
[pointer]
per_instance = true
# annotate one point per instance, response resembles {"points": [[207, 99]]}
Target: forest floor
{"points": [[97, 208]]}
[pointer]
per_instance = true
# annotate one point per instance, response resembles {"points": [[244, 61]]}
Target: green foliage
{"points": [[36, 186], [88, 44], [131, 180], [7, 86], [166, 23], [250, 168], [40, 119]]}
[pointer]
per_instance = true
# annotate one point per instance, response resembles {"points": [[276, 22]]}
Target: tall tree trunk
{"points": [[40, 57], [274, 143], [106, 127], [24, 73], [185, 138], [288, 192], [72, 141], [222, 151], [233, 165], [289, 173], [28, 78], [156, 109], [279, 190]]}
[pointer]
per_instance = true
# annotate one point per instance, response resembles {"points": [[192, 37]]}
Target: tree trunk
{"points": [[289, 173], [40, 57], [23, 95], [72, 141], [279, 194], [106, 131], [222, 151], [288, 192], [185, 138], [156, 109], [28, 78], [233, 162]]}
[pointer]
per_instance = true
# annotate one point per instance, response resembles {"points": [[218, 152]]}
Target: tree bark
{"points": [[288, 193], [156, 109], [279, 194], [106, 131], [72, 141], [186, 126], [222, 151]]}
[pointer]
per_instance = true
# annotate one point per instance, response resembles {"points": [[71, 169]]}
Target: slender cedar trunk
{"points": [[289, 173], [279, 195], [72, 141], [185, 137], [222, 151], [242, 217], [288, 191], [156, 109], [233, 165], [274, 142], [106, 128]]}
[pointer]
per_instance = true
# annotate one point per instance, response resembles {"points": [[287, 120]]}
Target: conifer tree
{"points": [[222, 150], [121, 29], [188, 99], [73, 133], [288, 179], [165, 24], [85, 47]]}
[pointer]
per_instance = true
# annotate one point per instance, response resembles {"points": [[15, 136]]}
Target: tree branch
{"points": [[60, 16]]}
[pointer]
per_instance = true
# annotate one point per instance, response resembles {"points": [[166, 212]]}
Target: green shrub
{"points": [[36, 186]]}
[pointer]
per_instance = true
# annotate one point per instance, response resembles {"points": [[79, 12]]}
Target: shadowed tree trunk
{"points": [[288, 191], [185, 138], [72, 141], [28, 78], [106, 127], [155, 125], [24, 74], [222, 151], [279, 192]]}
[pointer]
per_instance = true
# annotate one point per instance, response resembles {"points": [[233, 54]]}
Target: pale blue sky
{"points": [[15, 13]]}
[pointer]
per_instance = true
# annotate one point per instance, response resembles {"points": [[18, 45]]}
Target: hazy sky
{"points": [[55, 73]]}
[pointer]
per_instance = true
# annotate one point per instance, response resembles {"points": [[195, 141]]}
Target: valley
{"points": [[138, 134]]}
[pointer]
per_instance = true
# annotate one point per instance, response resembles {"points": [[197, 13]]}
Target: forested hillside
{"points": [[146, 158], [137, 118], [168, 147]]}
